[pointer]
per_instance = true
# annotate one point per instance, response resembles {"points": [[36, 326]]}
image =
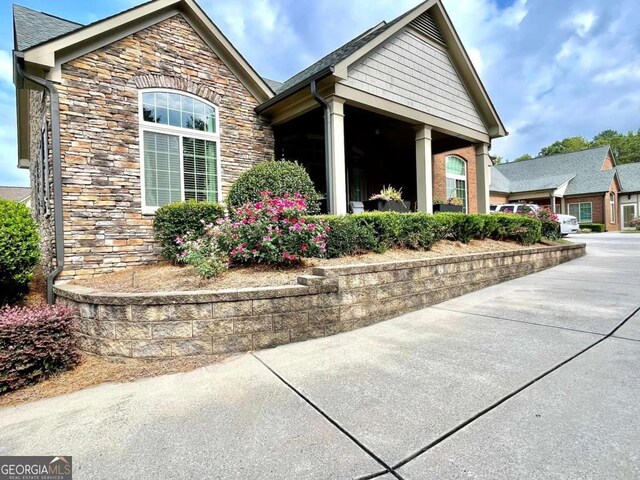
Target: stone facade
{"points": [[333, 300], [40, 171], [440, 175], [105, 228]]}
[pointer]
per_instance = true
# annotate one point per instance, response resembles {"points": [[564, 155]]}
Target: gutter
{"points": [[294, 89], [327, 140], [57, 175]]}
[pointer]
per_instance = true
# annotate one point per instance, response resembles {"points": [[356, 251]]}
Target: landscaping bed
{"points": [[170, 278]]}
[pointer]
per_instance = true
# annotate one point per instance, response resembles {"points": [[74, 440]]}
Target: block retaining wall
{"points": [[332, 300]]}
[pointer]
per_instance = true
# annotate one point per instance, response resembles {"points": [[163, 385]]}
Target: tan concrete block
{"points": [[232, 309], [171, 330], [151, 348], [192, 311], [270, 340], [258, 323], [183, 348], [212, 328], [133, 330], [285, 321], [231, 344]]}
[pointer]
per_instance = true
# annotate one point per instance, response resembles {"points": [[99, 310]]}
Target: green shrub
{"points": [[279, 178], [19, 250], [347, 236], [594, 227], [519, 228], [178, 219], [379, 231]]}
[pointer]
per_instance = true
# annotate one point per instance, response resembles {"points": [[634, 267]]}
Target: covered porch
{"points": [[352, 151]]}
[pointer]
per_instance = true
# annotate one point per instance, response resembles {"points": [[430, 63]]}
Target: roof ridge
{"points": [[539, 157], [48, 15]]}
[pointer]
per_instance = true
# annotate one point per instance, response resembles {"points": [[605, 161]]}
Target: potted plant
{"points": [[388, 200], [453, 204]]}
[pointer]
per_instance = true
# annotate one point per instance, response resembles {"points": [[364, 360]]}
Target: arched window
{"points": [[457, 179], [179, 144]]}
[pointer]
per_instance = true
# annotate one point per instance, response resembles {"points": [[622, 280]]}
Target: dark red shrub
{"points": [[35, 342]]}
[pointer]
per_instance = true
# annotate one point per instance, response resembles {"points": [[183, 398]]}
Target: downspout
{"points": [[327, 141], [57, 175]]}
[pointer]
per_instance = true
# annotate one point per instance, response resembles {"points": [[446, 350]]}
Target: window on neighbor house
{"points": [[582, 211], [612, 202], [180, 148], [457, 179]]}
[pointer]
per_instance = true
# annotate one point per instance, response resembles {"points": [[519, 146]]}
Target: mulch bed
{"points": [[167, 277]]}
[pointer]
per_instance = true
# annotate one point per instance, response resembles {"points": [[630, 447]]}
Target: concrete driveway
{"points": [[527, 379]]}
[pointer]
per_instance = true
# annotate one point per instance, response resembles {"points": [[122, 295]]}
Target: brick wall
{"points": [[333, 300], [104, 226], [498, 199], [596, 205], [439, 175]]}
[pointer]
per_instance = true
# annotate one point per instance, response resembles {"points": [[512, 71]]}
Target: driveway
{"points": [[533, 378]]}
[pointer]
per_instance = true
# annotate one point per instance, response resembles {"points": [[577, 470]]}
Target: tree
{"points": [[526, 156], [498, 160], [570, 144]]}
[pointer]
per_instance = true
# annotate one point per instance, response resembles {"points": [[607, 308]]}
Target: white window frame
{"points": [[578, 217], [458, 177], [180, 132], [612, 207]]}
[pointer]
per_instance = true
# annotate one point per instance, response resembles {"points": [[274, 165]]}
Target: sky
{"points": [[553, 68]]}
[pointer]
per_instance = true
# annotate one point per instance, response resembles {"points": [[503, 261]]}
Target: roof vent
{"points": [[427, 25]]}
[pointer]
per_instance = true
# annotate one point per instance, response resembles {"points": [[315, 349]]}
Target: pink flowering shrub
{"points": [[550, 223], [34, 343], [271, 231]]}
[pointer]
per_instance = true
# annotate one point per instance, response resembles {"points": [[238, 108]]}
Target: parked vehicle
{"points": [[568, 223]]}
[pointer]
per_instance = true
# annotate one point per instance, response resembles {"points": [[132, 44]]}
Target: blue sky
{"points": [[553, 68]]}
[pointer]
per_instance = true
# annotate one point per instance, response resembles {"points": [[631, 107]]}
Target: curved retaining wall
{"points": [[332, 300]]}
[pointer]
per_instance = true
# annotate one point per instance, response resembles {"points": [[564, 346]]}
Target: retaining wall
{"points": [[332, 300]]}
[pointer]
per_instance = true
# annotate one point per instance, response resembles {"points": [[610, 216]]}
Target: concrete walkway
{"points": [[520, 380]]}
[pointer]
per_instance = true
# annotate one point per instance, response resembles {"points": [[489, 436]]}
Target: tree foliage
{"points": [[625, 147]]}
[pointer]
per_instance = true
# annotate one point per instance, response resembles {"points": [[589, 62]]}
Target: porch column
{"points": [[563, 206], [483, 177], [424, 173], [553, 203], [337, 186]]}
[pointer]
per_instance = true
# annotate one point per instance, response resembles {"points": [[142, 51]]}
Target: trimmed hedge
{"points": [[19, 250], [379, 231], [178, 219], [278, 177], [35, 343], [594, 227]]}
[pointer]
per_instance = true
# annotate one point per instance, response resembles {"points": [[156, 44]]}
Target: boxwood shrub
{"points": [[35, 343], [594, 227], [379, 231], [178, 219], [279, 178], [19, 250]]}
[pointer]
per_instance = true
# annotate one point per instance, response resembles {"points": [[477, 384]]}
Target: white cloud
{"points": [[627, 73], [583, 22]]}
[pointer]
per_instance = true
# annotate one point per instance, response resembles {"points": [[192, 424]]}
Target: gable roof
{"points": [[429, 17], [78, 39], [31, 28], [18, 194], [582, 170], [629, 176]]}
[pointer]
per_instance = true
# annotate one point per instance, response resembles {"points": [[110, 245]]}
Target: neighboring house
{"points": [[629, 198], [155, 105], [585, 184], [17, 194]]}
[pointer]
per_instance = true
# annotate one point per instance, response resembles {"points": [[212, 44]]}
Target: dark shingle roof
{"points": [[545, 173], [18, 194], [273, 84], [32, 28], [629, 176]]}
